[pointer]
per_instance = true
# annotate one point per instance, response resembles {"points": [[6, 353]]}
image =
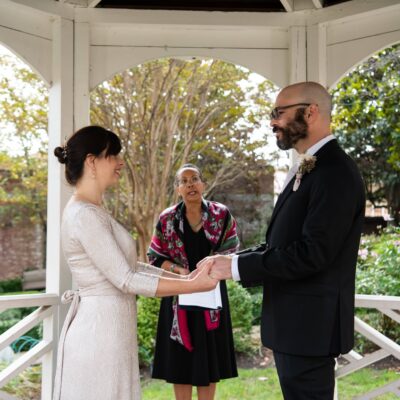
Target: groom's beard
{"points": [[294, 131]]}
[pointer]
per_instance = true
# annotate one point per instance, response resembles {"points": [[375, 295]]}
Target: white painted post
{"points": [[316, 54], [81, 77], [297, 54], [58, 277], [298, 62]]}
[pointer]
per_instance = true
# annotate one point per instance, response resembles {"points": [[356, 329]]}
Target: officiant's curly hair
{"points": [[91, 139]]}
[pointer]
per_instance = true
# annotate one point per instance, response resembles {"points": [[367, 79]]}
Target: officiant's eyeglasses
{"points": [[275, 112], [192, 181]]}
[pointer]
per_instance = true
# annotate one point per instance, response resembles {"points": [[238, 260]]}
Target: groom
{"points": [[307, 266]]}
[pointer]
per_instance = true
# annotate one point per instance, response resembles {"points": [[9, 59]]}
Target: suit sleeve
{"points": [[336, 200]]}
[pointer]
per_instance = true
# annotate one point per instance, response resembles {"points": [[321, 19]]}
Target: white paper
{"points": [[210, 299]]}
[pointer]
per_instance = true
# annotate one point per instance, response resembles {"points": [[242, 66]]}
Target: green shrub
{"points": [[378, 272], [11, 285], [241, 307], [256, 294], [10, 317], [148, 308], [27, 384]]}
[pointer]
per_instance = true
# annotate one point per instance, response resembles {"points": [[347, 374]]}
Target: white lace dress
{"points": [[98, 351]]}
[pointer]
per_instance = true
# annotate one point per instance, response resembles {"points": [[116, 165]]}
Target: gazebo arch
{"points": [[117, 67], [369, 52], [75, 44]]}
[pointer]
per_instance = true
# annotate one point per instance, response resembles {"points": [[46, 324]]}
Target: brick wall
{"points": [[20, 249], [251, 203]]}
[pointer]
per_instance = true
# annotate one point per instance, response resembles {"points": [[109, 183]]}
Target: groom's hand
{"points": [[221, 267]]}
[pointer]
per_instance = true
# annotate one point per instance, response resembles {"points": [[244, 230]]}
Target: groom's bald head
{"points": [[309, 92]]}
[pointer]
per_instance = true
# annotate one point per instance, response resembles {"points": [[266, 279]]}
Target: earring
{"points": [[93, 174]]}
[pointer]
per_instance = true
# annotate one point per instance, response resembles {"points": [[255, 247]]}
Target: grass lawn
{"points": [[262, 384], [252, 384]]}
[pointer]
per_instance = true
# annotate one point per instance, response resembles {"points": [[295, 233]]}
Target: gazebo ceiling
{"points": [[217, 5]]}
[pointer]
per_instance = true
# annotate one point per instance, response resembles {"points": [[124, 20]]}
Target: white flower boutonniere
{"points": [[306, 164]]}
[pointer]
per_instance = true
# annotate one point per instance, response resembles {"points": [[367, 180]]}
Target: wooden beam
{"points": [[93, 3], [79, 3], [46, 7], [318, 3], [376, 337], [288, 4], [362, 362], [355, 8], [28, 300]]}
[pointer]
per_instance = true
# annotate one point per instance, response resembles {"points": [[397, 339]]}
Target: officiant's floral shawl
{"points": [[167, 242]]}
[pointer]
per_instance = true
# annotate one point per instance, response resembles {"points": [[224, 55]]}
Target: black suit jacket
{"points": [[308, 265]]}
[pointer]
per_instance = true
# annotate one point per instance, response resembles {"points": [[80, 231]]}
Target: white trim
{"points": [[81, 76], [93, 3], [318, 3], [297, 54], [193, 19], [288, 5], [45, 7]]}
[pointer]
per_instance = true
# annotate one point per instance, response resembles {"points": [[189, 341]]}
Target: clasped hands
{"points": [[220, 266]]}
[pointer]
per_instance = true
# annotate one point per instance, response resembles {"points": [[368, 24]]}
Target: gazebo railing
{"points": [[47, 307], [390, 306]]}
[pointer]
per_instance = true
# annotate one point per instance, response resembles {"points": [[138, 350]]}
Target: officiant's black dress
{"points": [[213, 357]]}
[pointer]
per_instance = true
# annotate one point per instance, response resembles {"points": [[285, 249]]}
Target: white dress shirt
{"points": [[292, 172]]}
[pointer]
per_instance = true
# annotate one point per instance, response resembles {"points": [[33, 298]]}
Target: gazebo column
{"points": [[298, 62], [316, 54], [82, 70], [58, 277], [297, 54]]}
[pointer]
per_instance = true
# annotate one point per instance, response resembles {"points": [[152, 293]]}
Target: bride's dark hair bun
{"points": [[61, 154], [89, 140]]}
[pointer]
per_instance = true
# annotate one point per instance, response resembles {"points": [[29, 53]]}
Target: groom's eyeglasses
{"points": [[275, 112]]}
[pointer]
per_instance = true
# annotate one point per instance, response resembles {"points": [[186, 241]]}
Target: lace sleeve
{"points": [[93, 230]]}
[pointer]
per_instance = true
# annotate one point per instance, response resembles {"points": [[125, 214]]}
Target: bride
{"points": [[98, 351]]}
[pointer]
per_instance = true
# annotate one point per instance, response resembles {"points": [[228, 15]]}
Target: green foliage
{"points": [[378, 272], [12, 316], [169, 112], [366, 110], [256, 294], [240, 304], [27, 385], [148, 308], [23, 122], [11, 285]]}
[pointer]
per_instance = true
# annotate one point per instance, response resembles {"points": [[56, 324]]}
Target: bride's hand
{"points": [[183, 271], [201, 279]]}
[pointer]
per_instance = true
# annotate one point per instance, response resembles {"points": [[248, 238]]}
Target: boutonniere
{"points": [[306, 164]]}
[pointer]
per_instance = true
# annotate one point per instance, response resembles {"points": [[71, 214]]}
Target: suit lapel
{"points": [[323, 152], [281, 200]]}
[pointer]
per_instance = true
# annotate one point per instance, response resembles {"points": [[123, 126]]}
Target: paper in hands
{"points": [[209, 300]]}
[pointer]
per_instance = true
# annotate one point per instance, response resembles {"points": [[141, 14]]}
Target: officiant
{"points": [[194, 347]]}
